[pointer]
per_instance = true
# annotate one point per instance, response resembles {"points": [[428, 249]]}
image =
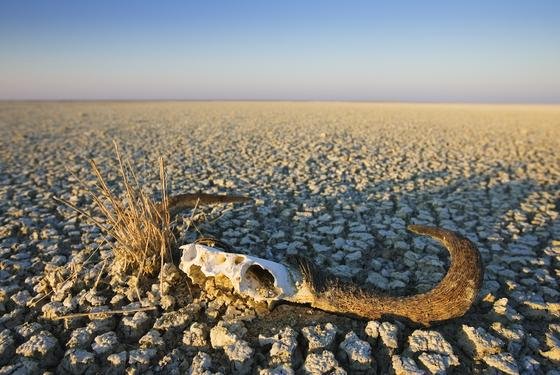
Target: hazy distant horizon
{"points": [[402, 51], [109, 100]]}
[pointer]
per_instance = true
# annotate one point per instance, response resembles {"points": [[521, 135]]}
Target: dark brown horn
{"points": [[451, 298], [180, 202]]}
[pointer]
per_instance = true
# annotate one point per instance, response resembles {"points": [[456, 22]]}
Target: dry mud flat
{"points": [[337, 182]]}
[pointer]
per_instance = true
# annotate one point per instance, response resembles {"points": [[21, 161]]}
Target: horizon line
{"points": [[466, 102]]}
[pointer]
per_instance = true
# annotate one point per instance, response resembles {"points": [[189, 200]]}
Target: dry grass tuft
{"points": [[140, 227]]}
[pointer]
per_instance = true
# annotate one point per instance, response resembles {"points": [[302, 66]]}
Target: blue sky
{"points": [[472, 51]]}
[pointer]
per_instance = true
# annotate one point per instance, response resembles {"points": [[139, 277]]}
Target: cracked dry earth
{"points": [[336, 182]]}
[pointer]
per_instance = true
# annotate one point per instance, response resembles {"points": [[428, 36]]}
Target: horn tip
{"points": [[419, 229]]}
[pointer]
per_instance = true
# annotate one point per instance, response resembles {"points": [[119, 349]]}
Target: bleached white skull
{"points": [[260, 279]]}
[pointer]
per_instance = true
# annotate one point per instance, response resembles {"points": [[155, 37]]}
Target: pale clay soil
{"points": [[336, 182]]}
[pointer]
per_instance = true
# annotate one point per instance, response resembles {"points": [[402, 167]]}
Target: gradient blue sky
{"points": [[474, 51]]}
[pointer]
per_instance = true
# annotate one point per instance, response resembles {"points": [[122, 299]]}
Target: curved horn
{"points": [[180, 202], [451, 298]]}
